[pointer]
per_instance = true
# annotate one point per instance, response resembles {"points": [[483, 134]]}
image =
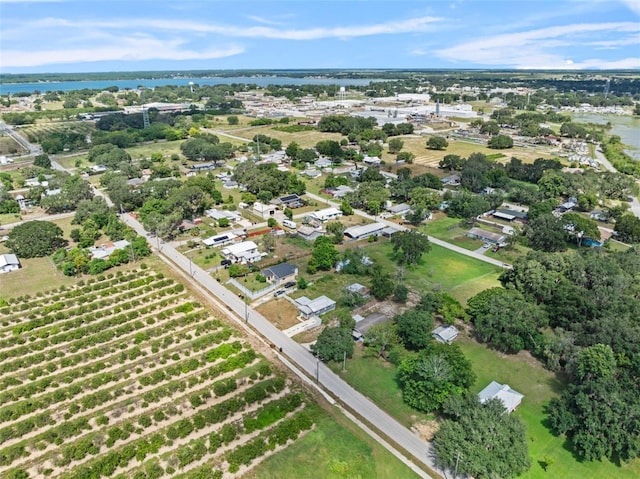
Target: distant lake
{"points": [[625, 126], [6, 88]]}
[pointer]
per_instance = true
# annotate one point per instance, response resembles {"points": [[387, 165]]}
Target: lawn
{"points": [[36, 274], [376, 379], [167, 148], [526, 375], [441, 269], [335, 449]]}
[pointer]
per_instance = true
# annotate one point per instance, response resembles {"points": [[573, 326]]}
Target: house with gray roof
{"points": [[314, 307], [9, 262], [280, 273], [445, 334], [510, 398]]}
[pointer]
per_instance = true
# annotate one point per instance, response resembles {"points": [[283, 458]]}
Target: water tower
{"points": [[191, 86], [341, 94]]}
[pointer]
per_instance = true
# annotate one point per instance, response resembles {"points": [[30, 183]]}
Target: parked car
{"points": [[289, 284], [278, 293], [225, 262]]}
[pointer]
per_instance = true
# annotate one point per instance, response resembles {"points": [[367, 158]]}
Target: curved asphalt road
{"points": [[418, 448]]}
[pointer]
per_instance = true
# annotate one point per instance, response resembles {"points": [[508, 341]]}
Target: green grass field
{"points": [[376, 379], [334, 449], [526, 375], [442, 269]]}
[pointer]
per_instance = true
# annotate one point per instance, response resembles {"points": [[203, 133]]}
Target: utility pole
{"points": [[455, 472], [344, 360]]}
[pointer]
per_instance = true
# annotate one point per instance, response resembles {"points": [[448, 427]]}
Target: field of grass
{"points": [[376, 379], [167, 148], [8, 146], [417, 146], [526, 375], [334, 449], [442, 269]]}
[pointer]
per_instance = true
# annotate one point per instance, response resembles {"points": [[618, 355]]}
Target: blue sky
{"points": [[118, 35]]}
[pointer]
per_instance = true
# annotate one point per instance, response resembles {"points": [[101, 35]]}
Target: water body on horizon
{"points": [[625, 126], [12, 88]]}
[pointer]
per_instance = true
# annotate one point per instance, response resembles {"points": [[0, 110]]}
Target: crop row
{"points": [[71, 428], [92, 334], [33, 388], [66, 294], [67, 320], [140, 448], [16, 410], [29, 358], [87, 304]]}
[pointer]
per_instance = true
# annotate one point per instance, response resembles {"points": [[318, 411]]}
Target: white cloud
{"points": [[535, 48], [133, 48], [633, 5], [412, 25]]}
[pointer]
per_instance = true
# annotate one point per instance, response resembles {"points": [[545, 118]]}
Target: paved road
{"points": [[433, 240], [21, 140], [416, 447]]}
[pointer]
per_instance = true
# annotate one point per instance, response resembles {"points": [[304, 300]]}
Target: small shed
{"points": [[9, 262], [510, 398], [445, 334]]}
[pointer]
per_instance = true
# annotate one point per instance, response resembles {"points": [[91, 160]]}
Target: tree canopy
{"points": [[35, 238], [434, 374], [333, 343], [409, 246], [481, 440]]}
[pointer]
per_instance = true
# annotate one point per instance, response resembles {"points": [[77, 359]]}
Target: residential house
{"points": [[323, 163], [511, 215], [445, 334], [327, 214], [359, 289], [308, 233], [487, 236], [281, 273], [289, 201], [105, 250], [365, 324], [243, 252], [219, 239], [401, 209], [264, 211], [312, 173], [371, 160], [216, 214], [364, 231], [9, 262], [510, 399], [309, 308]]}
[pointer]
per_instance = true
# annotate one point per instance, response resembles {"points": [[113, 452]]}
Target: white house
{"points": [[105, 250], [216, 214], [315, 307], [9, 262], [244, 252], [219, 239], [364, 231], [327, 214], [510, 399], [264, 210]]}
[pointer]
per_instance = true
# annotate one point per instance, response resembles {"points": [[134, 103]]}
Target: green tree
{"points": [[395, 145], [381, 283], [547, 233], [628, 228], [409, 246], [42, 161], [507, 321], [414, 328], [434, 374], [333, 343], [382, 338], [233, 120], [437, 143], [451, 163], [323, 256], [500, 142], [35, 238], [336, 229], [405, 157], [480, 440]]}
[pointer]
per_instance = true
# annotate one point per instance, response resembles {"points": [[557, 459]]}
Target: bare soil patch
{"points": [[280, 312]]}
